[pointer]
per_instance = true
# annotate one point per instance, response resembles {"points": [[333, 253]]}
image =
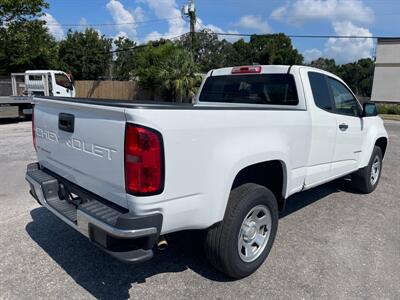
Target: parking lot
{"points": [[332, 243]]}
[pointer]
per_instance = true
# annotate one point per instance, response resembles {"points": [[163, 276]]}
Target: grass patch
{"points": [[390, 117], [389, 109]]}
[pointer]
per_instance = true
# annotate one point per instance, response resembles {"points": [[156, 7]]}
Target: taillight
{"points": [[144, 161], [246, 70], [33, 127]]}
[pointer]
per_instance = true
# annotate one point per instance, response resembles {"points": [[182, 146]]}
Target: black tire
{"points": [[221, 243], [362, 178]]}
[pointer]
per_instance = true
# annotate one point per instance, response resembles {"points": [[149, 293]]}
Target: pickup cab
{"points": [[125, 174]]}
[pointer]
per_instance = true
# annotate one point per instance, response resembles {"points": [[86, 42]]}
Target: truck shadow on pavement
{"points": [[104, 277]]}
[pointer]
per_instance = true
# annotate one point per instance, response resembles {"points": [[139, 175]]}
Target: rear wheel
{"points": [[242, 241], [366, 179]]}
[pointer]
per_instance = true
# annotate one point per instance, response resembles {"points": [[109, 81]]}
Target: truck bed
{"points": [[148, 104], [14, 100], [93, 154], [10, 106], [124, 103]]}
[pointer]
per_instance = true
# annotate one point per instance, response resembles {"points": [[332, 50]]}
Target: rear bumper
{"points": [[123, 235]]}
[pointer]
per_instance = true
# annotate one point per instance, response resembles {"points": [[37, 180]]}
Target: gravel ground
{"points": [[332, 243]]}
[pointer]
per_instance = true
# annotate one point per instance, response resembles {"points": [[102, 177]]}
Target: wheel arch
{"points": [[380, 140], [382, 143], [271, 174]]}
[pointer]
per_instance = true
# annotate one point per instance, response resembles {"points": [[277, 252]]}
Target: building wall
{"points": [[386, 84]]}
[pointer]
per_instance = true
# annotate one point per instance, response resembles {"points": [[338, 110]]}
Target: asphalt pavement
{"points": [[331, 243]]}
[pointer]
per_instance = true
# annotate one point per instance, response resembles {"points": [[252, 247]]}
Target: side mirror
{"points": [[71, 86], [71, 82], [369, 110]]}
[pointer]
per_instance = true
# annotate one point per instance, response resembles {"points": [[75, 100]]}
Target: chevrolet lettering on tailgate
{"points": [[77, 144]]}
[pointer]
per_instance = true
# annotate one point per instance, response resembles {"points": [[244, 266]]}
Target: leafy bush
{"points": [[389, 109], [169, 68]]}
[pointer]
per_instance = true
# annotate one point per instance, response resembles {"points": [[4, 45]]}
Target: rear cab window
{"points": [[273, 89], [35, 77]]}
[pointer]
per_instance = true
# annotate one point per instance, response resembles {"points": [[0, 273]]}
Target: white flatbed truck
{"points": [[34, 83]]}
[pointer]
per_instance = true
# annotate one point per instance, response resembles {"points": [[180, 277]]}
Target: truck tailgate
{"points": [[84, 144]]}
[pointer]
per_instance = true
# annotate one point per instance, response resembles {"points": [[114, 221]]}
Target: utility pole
{"points": [[192, 16], [189, 10]]}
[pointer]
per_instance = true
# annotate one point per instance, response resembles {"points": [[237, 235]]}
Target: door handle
{"points": [[343, 127], [66, 122], [58, 93]]}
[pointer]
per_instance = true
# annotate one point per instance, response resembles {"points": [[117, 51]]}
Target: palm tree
{"points": [[177, 74]]}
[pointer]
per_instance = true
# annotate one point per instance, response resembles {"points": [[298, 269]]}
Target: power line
{"points": [[154, 44], [110, 24], [302, 36]]}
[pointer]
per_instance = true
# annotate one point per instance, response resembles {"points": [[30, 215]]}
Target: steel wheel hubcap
{"points": [[375, 170], [254, 233]]}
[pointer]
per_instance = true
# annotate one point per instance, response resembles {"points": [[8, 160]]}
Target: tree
{"points": [[366, 76], [24, 41], [12, 11], [209, 51], [168, 68], [27, 45], [86, 54], [274, 49], [146, 69], [358, 76], [125, 60], [177, 75], [326, 64], [242, 54]]}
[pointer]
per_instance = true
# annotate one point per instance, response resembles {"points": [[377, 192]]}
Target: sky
{"points": [[143, 20]]}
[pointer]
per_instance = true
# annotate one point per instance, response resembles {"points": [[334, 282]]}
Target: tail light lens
{"points": [[33, 127], [144, 161]]}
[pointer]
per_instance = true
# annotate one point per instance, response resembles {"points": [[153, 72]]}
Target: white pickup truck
{"points": [[125, 174]]}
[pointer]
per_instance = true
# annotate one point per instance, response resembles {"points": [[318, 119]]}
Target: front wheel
{"points": [[366, 179], [242, 241]]}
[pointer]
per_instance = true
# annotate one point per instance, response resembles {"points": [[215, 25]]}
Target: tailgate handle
{"points": [[66, 122]]}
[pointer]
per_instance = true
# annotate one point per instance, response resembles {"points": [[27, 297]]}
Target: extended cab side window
{"points": [[344, 101], [320, 90]]}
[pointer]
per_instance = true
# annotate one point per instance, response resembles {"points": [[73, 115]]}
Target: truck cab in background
{"points": [[49, 83], [34, 83]]}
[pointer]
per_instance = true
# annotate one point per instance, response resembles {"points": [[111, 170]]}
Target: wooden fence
{"points": [[110, 89]]}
